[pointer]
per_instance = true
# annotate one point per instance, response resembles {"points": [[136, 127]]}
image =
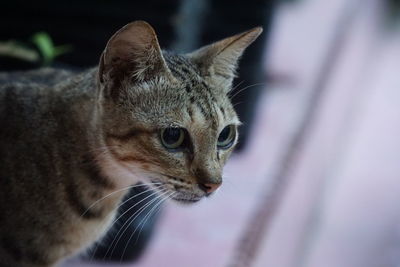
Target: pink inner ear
{"points": [[133, 51], [134, 39]]}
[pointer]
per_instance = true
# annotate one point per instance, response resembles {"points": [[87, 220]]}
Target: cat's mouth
{"points": [[186, 197], [179, 193]]}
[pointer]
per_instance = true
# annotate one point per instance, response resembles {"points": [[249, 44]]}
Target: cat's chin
{"points": [[186, 200]]}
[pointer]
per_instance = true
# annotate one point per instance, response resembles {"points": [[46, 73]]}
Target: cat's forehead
{"points": [[184, 70], [202, 100], [192, 83], [190, 100]]}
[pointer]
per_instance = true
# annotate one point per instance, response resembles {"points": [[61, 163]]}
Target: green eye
{"points": [[172, 138], [226, 137]]}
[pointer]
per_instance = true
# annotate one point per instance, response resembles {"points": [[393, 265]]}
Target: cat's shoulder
{"points": [[25, 92]]}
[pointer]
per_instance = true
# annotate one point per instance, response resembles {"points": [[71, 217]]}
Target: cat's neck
{"points": [[77, 96], [80, 98], [77, 103]]}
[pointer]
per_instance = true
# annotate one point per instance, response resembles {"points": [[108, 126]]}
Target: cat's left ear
{"points": [[219, 60], [132, 53]]}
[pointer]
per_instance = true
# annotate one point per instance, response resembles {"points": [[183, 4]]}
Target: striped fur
{"points": [[68, 140]]}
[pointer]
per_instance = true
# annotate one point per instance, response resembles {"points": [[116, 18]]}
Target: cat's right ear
{"points": [[132, 53]]}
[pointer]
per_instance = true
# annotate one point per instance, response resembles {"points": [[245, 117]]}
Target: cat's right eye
{"points": [[172, 138]]}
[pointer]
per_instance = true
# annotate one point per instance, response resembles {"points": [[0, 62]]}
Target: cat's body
{"points": [[68, 140], [47, 170]]}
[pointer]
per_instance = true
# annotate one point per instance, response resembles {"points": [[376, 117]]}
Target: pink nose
{"points": [[209, 188]]}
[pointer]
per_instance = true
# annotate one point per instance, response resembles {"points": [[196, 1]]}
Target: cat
{"points": [[71, 145]]}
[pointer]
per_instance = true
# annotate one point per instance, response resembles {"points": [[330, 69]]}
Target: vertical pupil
{"points": [[172, 135], [224, 134]]}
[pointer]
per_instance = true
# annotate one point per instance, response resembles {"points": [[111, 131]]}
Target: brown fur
{"points": [[68, 140]]}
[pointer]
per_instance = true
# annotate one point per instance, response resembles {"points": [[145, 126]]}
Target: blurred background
{"points": [[317, 179]]}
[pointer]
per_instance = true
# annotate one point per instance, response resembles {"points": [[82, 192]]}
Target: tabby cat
{"points": [[72, 144]]}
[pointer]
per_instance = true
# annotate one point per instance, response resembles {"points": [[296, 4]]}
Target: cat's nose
{"points": [[209, 187]]}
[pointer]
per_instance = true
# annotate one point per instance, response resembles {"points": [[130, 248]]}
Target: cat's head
{"points": [[167, 119]]}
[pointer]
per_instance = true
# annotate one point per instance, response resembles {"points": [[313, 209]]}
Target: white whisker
{"points": [[134, 196], [237, 85], [247, 87], [116, 220], [237, 103], [130, 220], [115, 192], [159, 208], [143, 221]]}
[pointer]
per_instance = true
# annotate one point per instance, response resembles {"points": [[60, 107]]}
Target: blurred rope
{"points": [[260, 220]]}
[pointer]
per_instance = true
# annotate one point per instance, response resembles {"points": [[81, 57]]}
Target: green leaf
{"points": [[46, 47]]}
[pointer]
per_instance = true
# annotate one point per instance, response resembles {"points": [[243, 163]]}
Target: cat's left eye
{"points": [[226, 137]]}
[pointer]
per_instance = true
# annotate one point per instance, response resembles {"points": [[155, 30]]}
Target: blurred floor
{"points": [[341, 207]]}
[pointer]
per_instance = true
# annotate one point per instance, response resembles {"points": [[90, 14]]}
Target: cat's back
{"points": [[36, 148], [24, 88], [43, 76], [24, 99]]}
